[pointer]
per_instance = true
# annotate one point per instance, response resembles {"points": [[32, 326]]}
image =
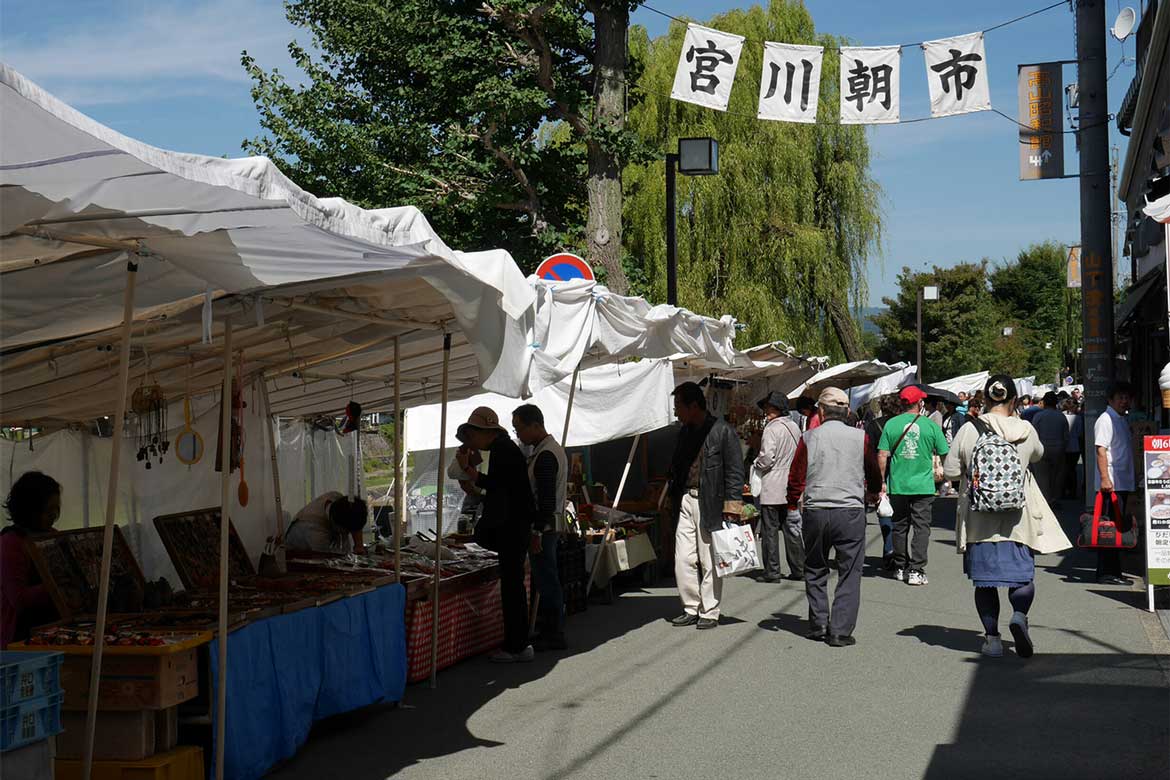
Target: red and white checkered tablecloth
{"points": [[471, 622]]}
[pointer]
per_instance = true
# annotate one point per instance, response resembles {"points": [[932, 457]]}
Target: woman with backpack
{"points": [[1003, 520]]}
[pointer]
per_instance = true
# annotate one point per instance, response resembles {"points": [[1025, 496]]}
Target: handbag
{"points": [[1104, 532], [733, 550]]}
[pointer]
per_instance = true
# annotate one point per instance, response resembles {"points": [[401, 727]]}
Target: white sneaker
{"points": [[917, 578], [502, 656], [900, 575], [992, 647]]}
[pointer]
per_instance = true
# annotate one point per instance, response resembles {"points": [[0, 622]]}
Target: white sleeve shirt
{"points": [[1112, 432]]}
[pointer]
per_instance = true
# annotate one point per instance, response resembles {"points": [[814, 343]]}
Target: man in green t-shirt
{"points": [[906, 453]]}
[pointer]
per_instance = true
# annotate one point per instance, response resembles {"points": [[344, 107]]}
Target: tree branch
{"points": [[441, 187], [532, 206]]}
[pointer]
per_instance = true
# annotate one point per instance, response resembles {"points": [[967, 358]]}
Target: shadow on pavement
{"points": [[963, 640], [781, 621], [1069, 716], [432, 723]]}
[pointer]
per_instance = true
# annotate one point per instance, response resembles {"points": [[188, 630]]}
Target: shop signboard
{"points": [[1041, 103], [1156, 462]]}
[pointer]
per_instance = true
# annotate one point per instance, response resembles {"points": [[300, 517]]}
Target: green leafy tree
{"points": [[1034, 295], [780, 238], [502, 120], [962, 332]]}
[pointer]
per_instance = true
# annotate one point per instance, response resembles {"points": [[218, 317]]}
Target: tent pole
{"points": [[609, 521], [271, 428], [569, 408], [442, 479], [399, 494], [99, 638], [225, 434]]}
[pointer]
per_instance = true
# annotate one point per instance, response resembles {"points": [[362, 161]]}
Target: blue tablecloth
{"points": [[287, 672]]}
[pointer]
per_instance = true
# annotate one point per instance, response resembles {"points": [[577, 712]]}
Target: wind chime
{"points": [[149, 405]]}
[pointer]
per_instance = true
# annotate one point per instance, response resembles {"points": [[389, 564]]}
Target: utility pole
{"points": [[1096, 218], [919, 335], [671, 240]]}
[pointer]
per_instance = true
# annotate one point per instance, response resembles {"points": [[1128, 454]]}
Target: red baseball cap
{"points": [[912, 394]]}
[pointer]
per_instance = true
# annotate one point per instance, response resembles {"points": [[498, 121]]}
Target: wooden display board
{"points": [[190, 539], [70, 562]]}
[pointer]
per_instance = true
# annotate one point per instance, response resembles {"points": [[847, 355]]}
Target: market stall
{"points": [[160, 256]]}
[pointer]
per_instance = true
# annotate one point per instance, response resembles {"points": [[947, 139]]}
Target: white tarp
{"points": [[968, 383], [583, 323], [891, 383], [845, 376], [311, 280], [611, 402]]}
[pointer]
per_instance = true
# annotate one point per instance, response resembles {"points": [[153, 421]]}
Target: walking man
{"points": [[837, 474], [1052, 428], [706, 477], [506, 523], [778, 446], [1114, 450], [910, 442], [548, 471]]}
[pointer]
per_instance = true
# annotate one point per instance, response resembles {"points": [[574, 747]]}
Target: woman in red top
{"points": [[33, 505]]}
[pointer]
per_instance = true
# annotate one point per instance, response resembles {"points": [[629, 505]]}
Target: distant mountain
{"points": [[867, 312]]}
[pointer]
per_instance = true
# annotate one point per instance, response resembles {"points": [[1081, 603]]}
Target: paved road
{"points": [[637, 698]]}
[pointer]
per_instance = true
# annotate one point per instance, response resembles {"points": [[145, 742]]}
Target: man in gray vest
{"points": [[836, 472], [548, 473]]}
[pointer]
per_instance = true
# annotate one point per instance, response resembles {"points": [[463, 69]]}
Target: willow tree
{"points": [[780, 237]]}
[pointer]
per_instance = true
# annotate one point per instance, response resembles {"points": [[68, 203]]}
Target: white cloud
{"points": [[161, 48]]}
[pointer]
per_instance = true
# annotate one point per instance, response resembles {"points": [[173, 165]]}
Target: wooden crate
{"points": [[182, 763], [192, 542], [133, 682], [69, 564]]}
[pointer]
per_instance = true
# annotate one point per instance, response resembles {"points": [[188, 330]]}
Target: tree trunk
{"points": [[846, 330], [603, 229]]}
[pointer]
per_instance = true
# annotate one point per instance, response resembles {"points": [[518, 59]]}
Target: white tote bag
{"points": [[733, 550]]}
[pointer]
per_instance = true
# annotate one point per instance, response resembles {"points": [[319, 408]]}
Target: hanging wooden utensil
{"points": [[243, 490], [188, 444]]}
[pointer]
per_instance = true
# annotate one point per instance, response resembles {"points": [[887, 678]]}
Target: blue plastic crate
{"points": [[30, 721], [28, 675]]}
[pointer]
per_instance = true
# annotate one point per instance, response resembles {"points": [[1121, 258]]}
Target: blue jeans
{"points": [[548, 583], [887, 526]]}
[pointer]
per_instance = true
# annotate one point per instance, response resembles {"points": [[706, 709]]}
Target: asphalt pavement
{"points": [[637, 698]]}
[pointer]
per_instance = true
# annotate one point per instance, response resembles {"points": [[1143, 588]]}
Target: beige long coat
{"points": [[1035, 525]]}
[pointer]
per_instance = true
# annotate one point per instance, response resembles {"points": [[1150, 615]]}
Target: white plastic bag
{"points": [[733, 550], [885, 508], [756, 482]]}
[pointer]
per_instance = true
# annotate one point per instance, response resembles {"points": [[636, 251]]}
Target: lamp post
{"points": [[927, 293], [696, 157]]}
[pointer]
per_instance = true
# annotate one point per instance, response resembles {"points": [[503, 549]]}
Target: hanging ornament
{"points": [[149, 405]]}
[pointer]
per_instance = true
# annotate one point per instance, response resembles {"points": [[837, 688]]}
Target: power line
{"points": [[1038, 11]]}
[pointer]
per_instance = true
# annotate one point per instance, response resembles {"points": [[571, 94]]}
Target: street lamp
{"points": [[696, 157], [927, 293]]}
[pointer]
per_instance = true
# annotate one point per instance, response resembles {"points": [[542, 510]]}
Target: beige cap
{"points": [[833, 396], [483, 418]]}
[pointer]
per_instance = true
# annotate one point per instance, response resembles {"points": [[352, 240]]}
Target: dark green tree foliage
{"points": [[780, 238], [487, 116], [1036, 300], [962, 331]]}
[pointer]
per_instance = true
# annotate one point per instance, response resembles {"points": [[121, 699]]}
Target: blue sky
{"points": [[168, 73]]}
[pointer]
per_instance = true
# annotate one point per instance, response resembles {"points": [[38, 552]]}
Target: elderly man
{"points": [[778, 445], [837, 473], [706, 477]]}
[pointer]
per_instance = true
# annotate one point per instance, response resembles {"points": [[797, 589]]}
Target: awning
{"points": [[317, 288], [1155, 281], [845, 376]]}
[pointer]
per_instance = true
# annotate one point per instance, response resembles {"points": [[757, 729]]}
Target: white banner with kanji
{"points": [[956, 72], [871, 78], [791, 82], [706, 67]]}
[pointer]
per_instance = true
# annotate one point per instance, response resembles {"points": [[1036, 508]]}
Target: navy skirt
{"points": [[999, 564]]}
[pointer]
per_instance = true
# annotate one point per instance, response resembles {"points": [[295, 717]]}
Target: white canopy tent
{"points": [[132, 241], [891, 383], [845, 376], [576, 324], [968, 383]]}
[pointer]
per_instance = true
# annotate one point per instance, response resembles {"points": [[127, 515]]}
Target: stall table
{"points": [[620, 555]]}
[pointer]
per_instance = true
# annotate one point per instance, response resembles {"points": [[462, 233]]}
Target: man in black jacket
{"points": [[506, 523], [707, 487]]}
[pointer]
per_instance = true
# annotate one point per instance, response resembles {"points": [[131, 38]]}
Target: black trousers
{"points": [[912, 512], [842, 530], [1109, 561], [513, 597]]}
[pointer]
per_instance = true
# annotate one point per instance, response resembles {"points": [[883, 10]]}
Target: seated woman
{"points": [[33, 505], [330, 523]]}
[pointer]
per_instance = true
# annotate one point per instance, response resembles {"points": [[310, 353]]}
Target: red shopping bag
{"points": [[1104, 532]]}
